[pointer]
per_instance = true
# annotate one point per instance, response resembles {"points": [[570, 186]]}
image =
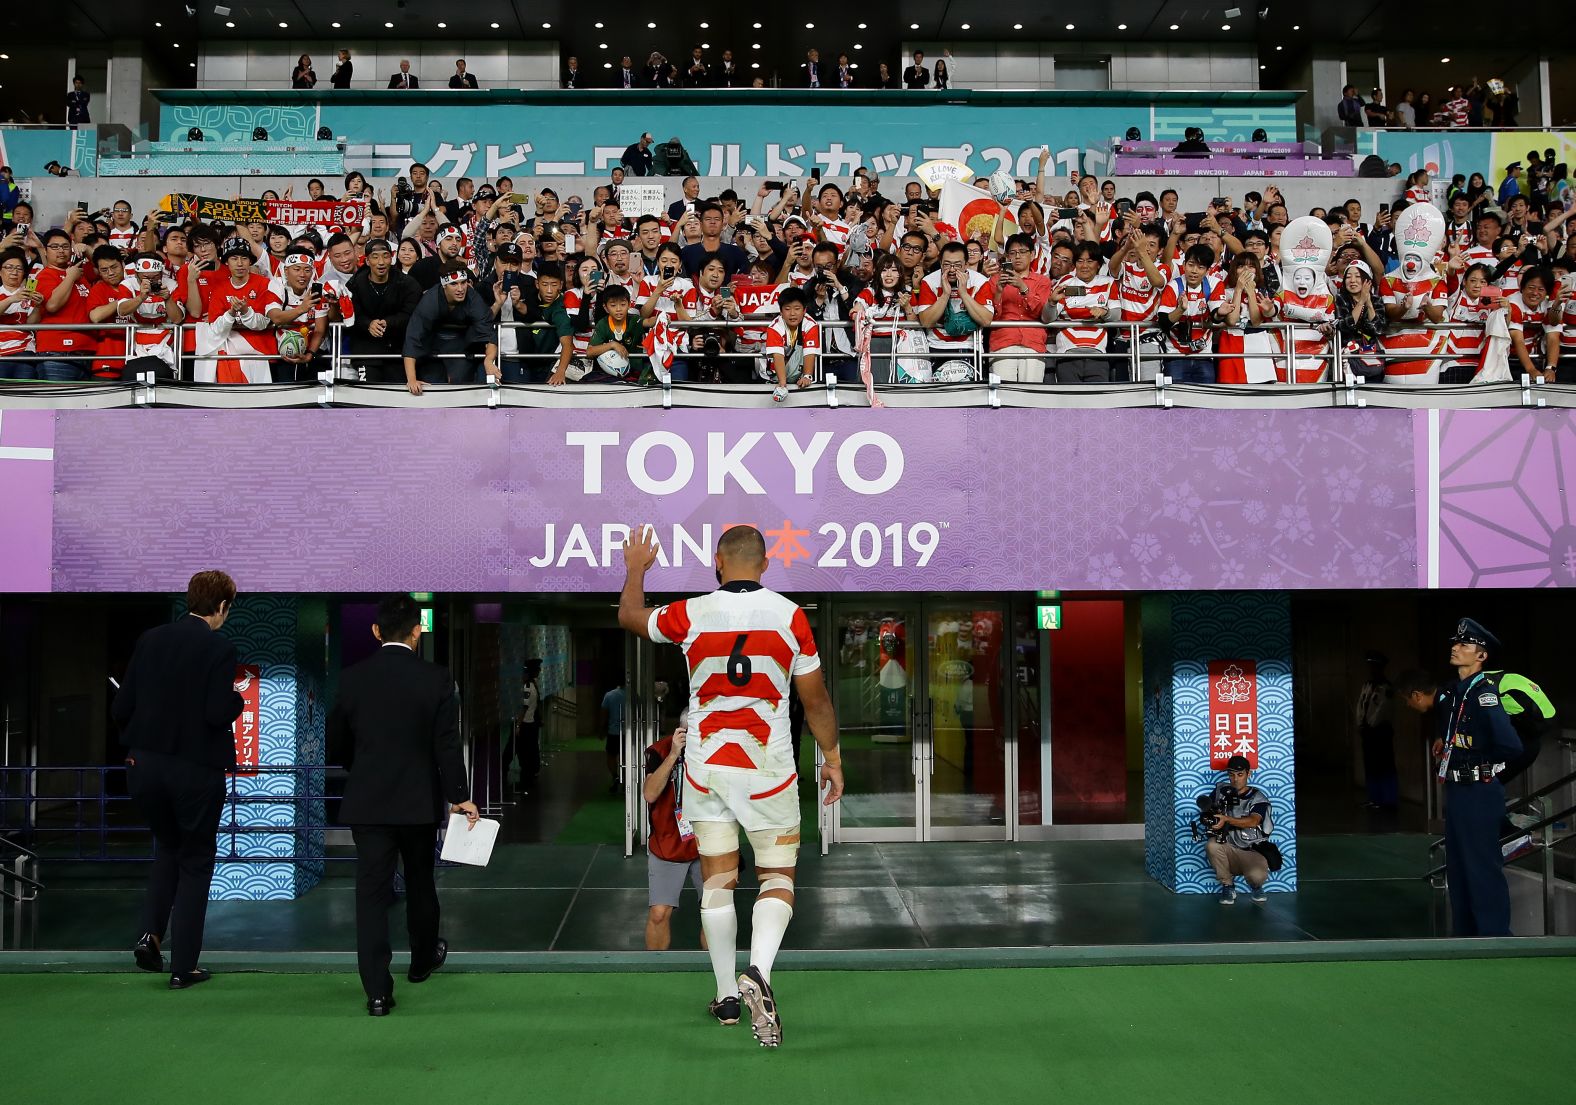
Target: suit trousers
{"points": [[377, 849], [182, 801], [1474, 866]]}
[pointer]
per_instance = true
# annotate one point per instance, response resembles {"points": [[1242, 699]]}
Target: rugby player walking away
{"points": [[743, 643]]}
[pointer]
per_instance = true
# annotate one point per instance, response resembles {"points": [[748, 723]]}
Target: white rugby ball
{"points": [[613, 363], [1003, 187]]}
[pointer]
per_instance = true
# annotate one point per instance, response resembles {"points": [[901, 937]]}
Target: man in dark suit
{"points": [[175, 711], [727, 73], [404, 78], [396, 728], [916, 75], [572, 76], [812, 70], [625, 76], [462, 79], [845, 72]]}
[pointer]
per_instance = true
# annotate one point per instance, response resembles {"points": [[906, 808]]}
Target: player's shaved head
{"points": [[742, 546]]}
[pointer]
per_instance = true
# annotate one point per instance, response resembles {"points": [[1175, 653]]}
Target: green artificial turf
{"points": [[1281, 1034]]}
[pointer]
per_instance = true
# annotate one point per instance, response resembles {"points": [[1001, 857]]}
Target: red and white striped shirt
{"points": [[978, 288], [1081, 300], [1136, 296], [743, 646], [14, 342]]}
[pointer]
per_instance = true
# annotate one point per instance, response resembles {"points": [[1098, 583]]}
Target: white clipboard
{"points": [[469, 846]]}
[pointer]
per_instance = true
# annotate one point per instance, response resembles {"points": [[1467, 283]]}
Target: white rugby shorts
{"points": [[752, 799]]}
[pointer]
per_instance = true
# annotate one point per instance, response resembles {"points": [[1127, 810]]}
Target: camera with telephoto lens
{"points": [[401, 187]]}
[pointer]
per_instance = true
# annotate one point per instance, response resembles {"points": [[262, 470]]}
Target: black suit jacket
{"points": [[916, 76], [818, 74], [394, 81], [466, 80], [571, 78], [179, 695], [396, 727]]}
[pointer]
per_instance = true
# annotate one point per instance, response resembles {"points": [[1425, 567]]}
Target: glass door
{"points": [[920, 688], [641, 720], [874, 676]]}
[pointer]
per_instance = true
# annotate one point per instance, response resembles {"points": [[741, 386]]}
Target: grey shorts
{"points": [[665, 879]]}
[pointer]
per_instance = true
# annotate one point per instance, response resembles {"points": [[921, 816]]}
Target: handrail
{"points": [[14, 846], [17, 876], [1524, 801], [1517, 834]]}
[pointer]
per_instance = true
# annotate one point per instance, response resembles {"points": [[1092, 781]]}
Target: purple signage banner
{"points": [[478, 500], [1130, 165], [27, 495], [1499, 484]]}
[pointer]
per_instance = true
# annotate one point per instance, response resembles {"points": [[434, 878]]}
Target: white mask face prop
{"points": [[1419, 234], [1305, 248]]}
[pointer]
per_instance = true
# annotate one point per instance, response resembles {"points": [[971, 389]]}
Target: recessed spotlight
{"points": [[607, 65], [158, 24], [191, 65], [651, 26], [1225, 26], [388, 26], [1069, 26], [705, 26], [705, 46], [859, 45], [913, 26], [964, 26], [755, 45], [853, 65], [177, 45], [227, 23], [283, 25], [334, 24], [1280, 47], [1017, 26], [1263, 67], [1444, 61], [601, 46], [757, 26], [1121, 26], [755, 65], [5, 57], [443, 26], [599, 26], [1296, 27], [862, 26], [1174, 27], [547, 26], [494, 26], [809, 26]]}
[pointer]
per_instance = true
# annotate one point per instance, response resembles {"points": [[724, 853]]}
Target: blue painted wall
{"points": [[1182, 633]]}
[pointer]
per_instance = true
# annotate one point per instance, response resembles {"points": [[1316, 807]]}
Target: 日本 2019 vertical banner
{"points": [[248, 727], [1233, 712]]}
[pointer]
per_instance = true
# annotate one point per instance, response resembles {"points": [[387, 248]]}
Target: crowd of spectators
{"points": [[1494, 103], [797, 282]]}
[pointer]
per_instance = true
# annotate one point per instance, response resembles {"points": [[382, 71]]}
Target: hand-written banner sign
{"points": [[636, 200], [248, 727], [1233, 712]]}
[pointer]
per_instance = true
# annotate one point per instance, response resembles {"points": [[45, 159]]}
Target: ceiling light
{"points": [[283, 25], [755, 45], [861, 26], [547, 26], [191, 65], [442, 26], [177, 45], [1069, 26], [1174, 27], [755, 65], [705, 26], [705, 46], [1280, 47], [5, 57], [809, 26], [1121, 26], [494, 26], [651, 26], [334, 24], [1444, 61], [1017, 26], [607, 65], [158, 24], [1263, 67], [853, 65], [859, 45], [1225, 26], [913, 26], [599, 26], [757, 26], [964, 26], [229, 24], [389, 26], [601, 46], [1296, 27]]}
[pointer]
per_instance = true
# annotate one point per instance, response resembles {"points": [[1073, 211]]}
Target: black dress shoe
{"points": [[380, 1007], [440, 955], [189, 979], [146, 950]]}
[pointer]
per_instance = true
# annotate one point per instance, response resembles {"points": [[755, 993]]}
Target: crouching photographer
{"points": [[1236, 822]]}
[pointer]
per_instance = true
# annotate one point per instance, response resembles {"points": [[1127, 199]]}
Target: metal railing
{"points": [[335, 377], [20, 887]]}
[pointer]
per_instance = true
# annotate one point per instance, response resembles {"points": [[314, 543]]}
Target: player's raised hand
{"points": [[640, 547]]}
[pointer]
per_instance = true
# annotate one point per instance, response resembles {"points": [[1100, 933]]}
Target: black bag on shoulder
{"points": [[1271, 854]]}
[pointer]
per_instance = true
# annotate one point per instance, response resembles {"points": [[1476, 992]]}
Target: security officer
{"points": [[1478, 741]]}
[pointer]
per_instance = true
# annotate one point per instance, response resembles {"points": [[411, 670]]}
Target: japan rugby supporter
{"points": [[18, 305], [140, 293], [955, 303], [300, 316], [1021, 295], [1082, 301], [64, 289]]}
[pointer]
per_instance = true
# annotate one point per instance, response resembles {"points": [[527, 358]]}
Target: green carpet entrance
{"points": [[1361, 1032]]}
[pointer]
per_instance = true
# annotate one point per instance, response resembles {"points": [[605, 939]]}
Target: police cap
{"points": [[1473, 633]]}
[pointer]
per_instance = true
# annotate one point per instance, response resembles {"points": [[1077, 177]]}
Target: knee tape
{"points": [[718, 891], [716, 838], [777, 881], [775, 847]]}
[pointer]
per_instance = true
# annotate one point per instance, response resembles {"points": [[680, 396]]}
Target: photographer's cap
{"points": [[1238, 763]]}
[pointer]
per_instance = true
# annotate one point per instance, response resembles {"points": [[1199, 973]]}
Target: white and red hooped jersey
{"points": [[1136, 297], [1533, 324], [743, 645], [124, 238], [1309, 345], [977, 287], [1410, 333], [1465, 346], [13, 342], [574, 300], [1081, 300]]}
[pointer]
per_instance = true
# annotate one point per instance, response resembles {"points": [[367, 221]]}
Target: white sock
{"points": [[721, 927], [768, 923]]}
